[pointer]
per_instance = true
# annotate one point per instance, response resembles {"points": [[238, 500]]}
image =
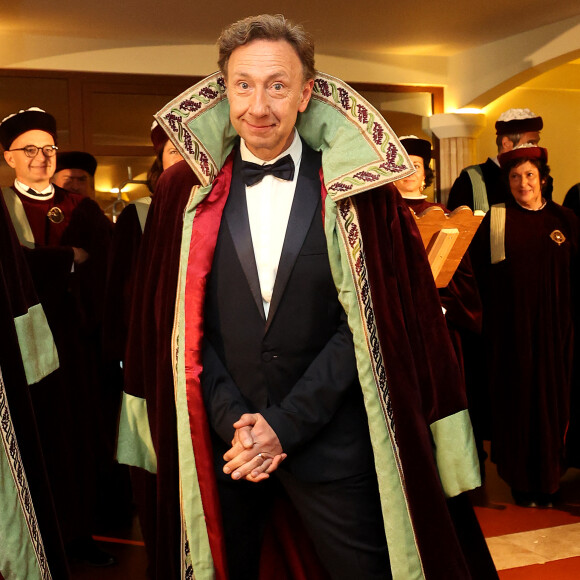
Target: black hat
{"points": [[76, 160], [516, 121], [418, 147], [32, 119]]}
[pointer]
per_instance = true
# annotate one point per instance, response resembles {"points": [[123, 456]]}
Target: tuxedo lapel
{"points": [[236, 214], [306, 199]]}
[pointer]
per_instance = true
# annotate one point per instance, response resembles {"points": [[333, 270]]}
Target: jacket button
{"points": [[267, 356]]}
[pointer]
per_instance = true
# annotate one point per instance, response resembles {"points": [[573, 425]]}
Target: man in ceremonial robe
{"points": [[75, 171], [286, 377], [30, 539], [65, 237]]}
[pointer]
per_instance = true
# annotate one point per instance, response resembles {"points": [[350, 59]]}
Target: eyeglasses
{"points": [[32, 150]]}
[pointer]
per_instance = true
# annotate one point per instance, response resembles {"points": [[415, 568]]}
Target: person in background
{"points": [[119, 297], [166, 155], [460, 299], [525, 257], [269, 397], [572, 199], [481, 186], [125, 249], [29, 533], [75, 171], [66, 238]]}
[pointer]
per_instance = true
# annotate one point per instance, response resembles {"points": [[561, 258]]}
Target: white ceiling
{"points": [[372, 27]]}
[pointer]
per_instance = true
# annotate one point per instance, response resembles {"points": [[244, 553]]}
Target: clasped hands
{"points": [[256, 450]]}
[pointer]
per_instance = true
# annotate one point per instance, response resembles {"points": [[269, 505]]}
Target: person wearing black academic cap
{"points": [[480, 186], [75, 171], [65, 237], [30, 539], [525, 257], [460, 299]]}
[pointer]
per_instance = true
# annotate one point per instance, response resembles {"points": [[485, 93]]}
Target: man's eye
{"points": [[278, 86], [244, 85]]}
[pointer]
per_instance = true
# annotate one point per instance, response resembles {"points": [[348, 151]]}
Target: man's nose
{"points": [[259, 103]]}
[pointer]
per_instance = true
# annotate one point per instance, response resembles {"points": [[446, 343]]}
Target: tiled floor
{"points": [[525, 543], [531, 543]]}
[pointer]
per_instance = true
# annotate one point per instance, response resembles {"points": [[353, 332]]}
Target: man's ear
{"points": [[306, 94], [506, 144], [9, 158]]}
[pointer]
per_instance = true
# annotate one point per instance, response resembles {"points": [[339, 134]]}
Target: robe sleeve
{"points": [[461, 192], [426, 383]]}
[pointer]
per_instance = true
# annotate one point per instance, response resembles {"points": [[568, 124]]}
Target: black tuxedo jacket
{"points": [[297, 367]]}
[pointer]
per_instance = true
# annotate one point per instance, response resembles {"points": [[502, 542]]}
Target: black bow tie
{"points": [[38, 193], [253, 173]]}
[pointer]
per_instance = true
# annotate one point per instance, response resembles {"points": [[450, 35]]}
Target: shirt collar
{"points": [[46, 193], [295, 151]]}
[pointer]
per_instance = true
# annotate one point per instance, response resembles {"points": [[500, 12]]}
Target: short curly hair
{"points": [[267, 27], [543, 169]]}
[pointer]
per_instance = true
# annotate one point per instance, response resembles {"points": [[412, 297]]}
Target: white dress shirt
{"points": [[269, 203]]}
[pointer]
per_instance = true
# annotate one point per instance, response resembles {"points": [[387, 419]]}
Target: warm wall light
{"points": [[468, 111], [456, 124]]}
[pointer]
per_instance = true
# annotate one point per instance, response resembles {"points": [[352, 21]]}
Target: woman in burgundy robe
{"points": [[525, 259]]}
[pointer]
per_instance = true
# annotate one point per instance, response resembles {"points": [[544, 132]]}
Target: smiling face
{"points": [[266, 91], [526, 185], [35, 171], [413, 184]]}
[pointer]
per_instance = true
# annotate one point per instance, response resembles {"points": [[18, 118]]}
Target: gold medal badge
{"points": [[55, 215], [558, 237]]}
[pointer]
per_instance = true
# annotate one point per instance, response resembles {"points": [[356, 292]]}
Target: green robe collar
{"points": [[359, 149]]}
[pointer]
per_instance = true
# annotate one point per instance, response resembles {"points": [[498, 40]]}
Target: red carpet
{"points": [[500, 519]]}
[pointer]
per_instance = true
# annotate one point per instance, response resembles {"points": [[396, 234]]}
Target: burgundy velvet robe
{"points": [[119, 295], [67, 403], [425, 391], [463, 316], [148, 367], [17, 295], [460, 298], [528, 326]]}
